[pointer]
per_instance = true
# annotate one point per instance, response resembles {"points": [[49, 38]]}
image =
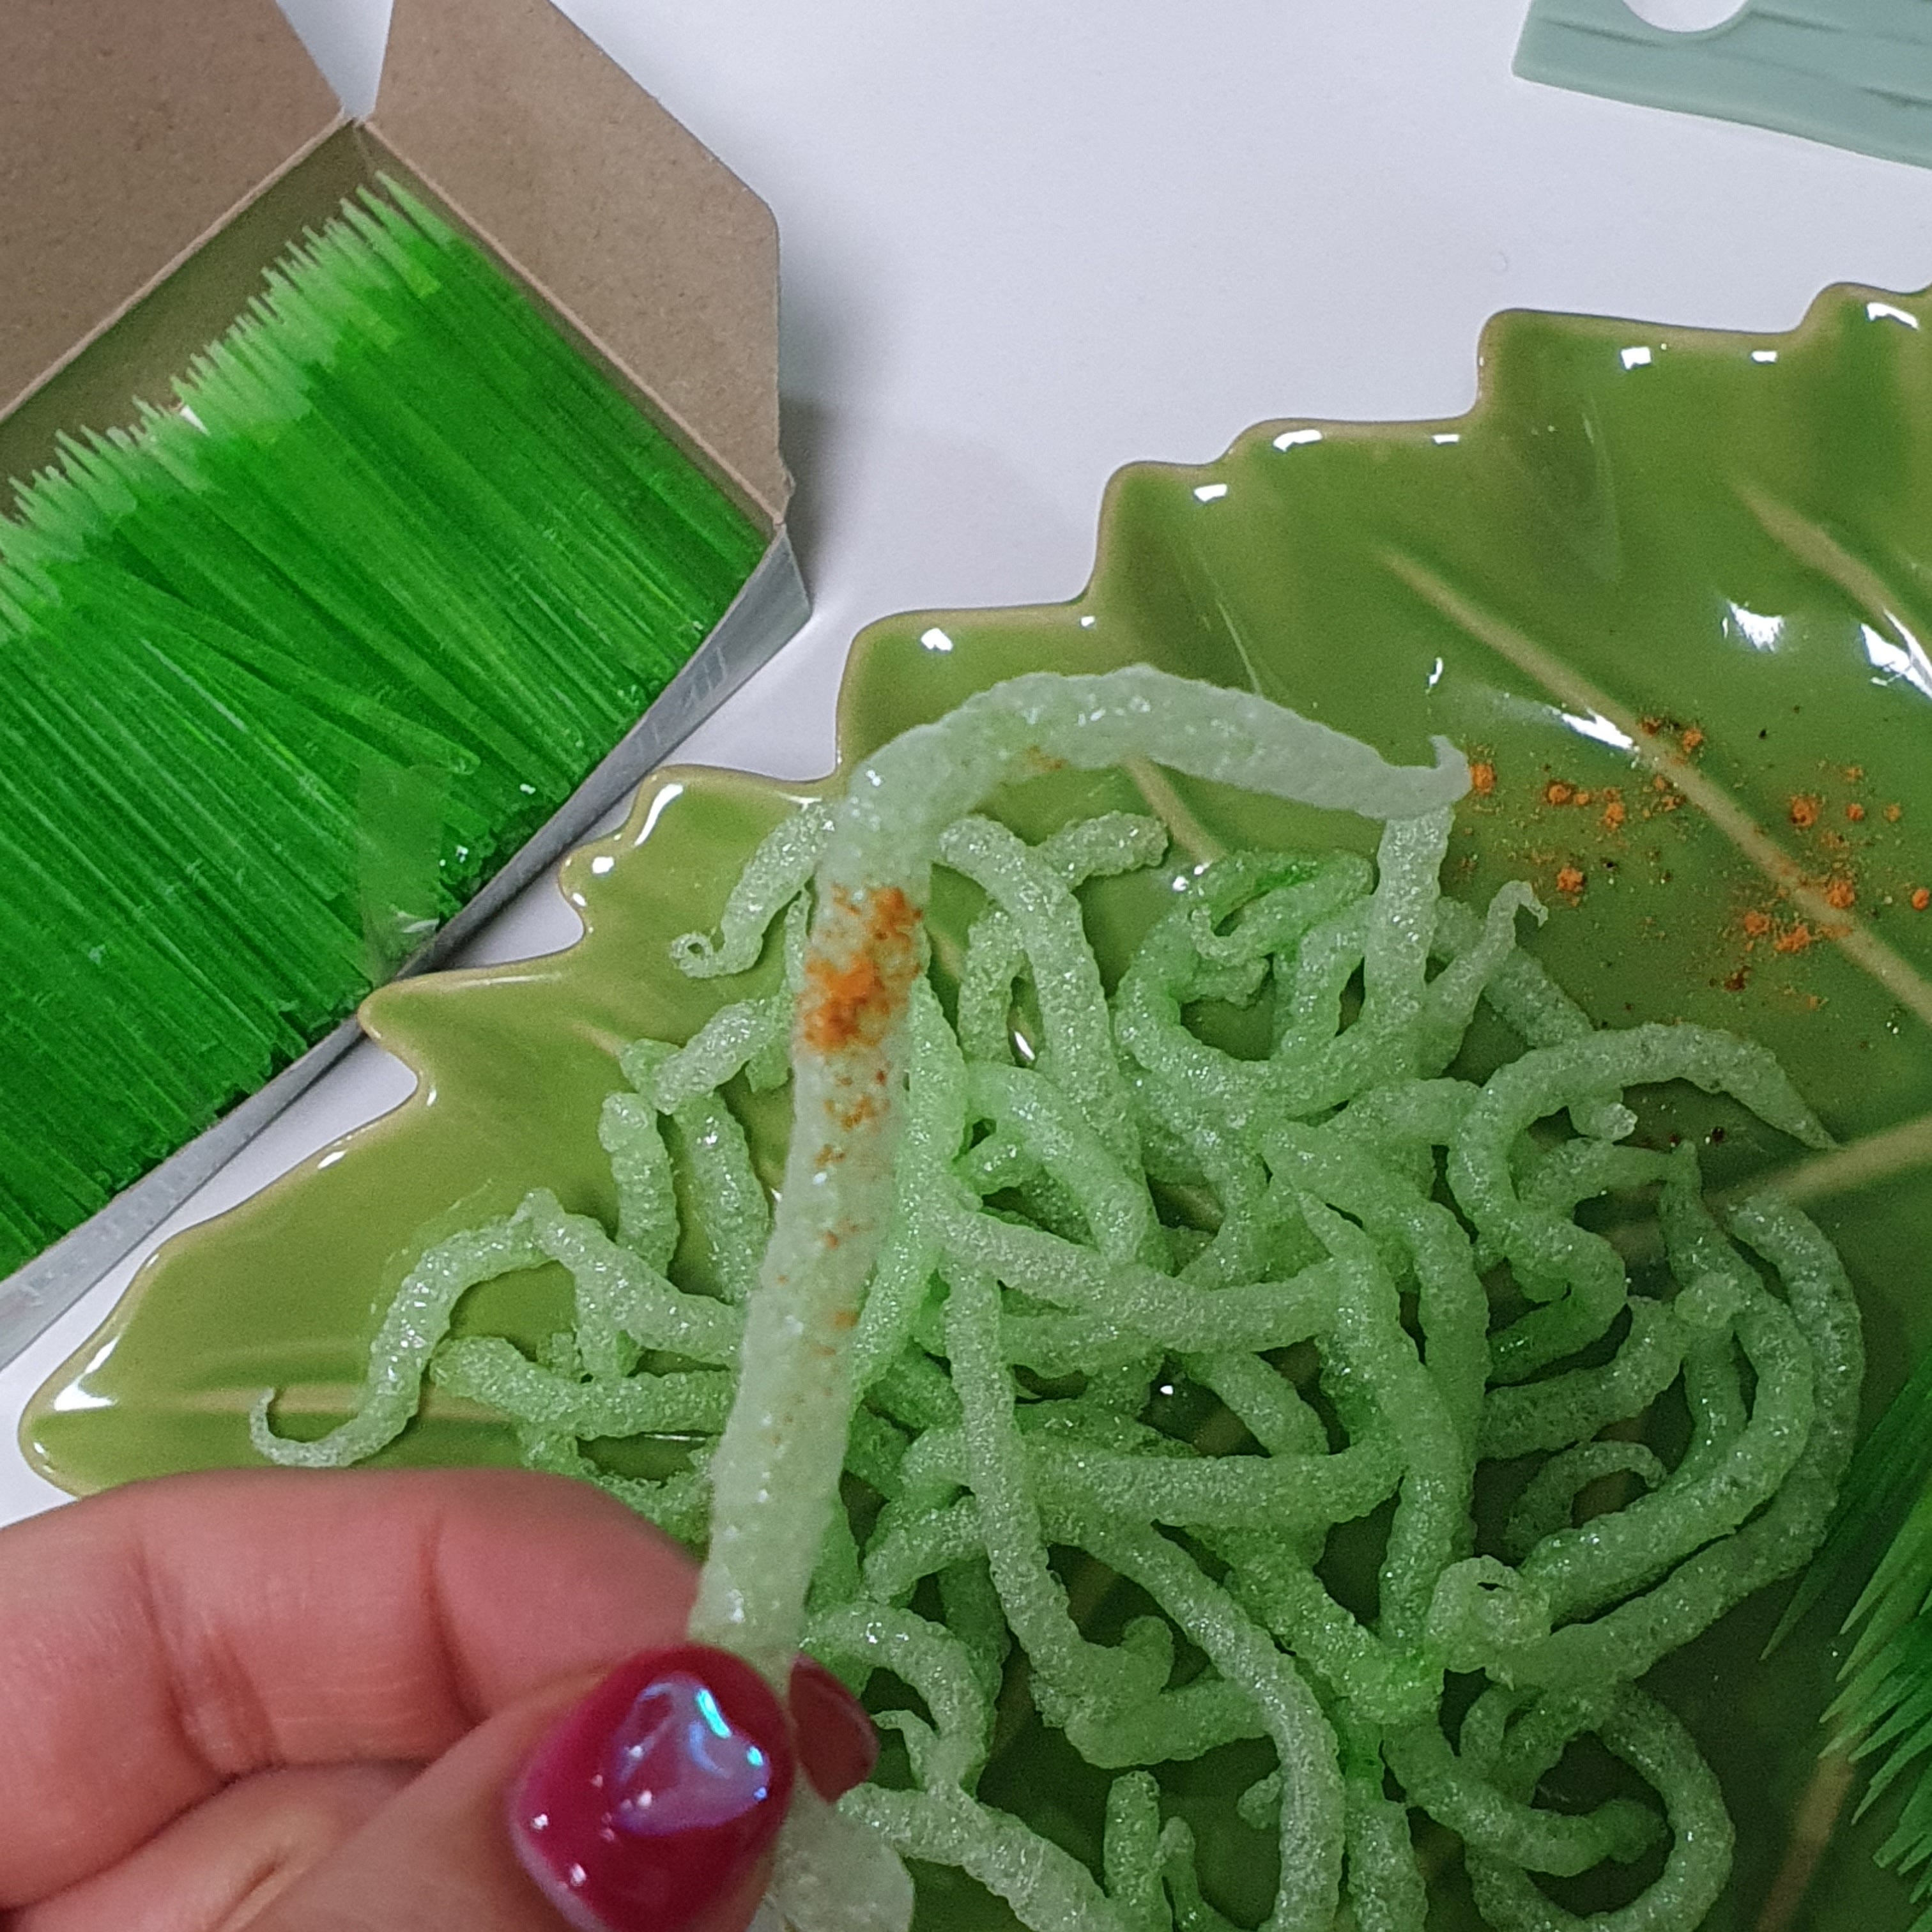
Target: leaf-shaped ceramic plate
{"points": [[1668, 589]]}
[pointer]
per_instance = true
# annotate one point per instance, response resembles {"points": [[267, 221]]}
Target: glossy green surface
{"points": [[1648, 559]]}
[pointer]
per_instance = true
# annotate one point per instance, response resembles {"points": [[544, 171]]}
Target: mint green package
{"points": [[1855, 73]]}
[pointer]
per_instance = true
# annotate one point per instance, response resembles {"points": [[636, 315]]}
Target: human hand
{"points": [[313, 1702]]}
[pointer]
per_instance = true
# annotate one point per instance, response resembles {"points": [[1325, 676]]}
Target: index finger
{"points": [[165, 1638]]}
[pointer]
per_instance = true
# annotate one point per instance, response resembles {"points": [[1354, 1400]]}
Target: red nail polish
{"points": [[657, 1795], [837, 1745]]}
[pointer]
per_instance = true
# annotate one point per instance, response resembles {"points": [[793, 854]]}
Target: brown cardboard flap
{"points": [[620, 218], [129, 131]]}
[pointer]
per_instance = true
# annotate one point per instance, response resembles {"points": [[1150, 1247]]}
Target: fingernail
{"points": [[837, 1745], [658, 1795]]}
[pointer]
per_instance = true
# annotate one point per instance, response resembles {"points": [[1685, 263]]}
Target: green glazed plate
{"points": [[1668, 589]]}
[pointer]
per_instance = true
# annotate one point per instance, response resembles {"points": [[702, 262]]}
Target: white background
{"points": [[1028, 240]]}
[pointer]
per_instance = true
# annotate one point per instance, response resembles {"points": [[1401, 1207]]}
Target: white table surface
{"points": [[1028, 240]]}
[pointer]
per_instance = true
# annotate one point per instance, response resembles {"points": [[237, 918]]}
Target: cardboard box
{"points": [[154, 160]]}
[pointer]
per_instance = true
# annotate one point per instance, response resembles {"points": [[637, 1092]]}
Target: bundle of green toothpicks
{"points": [[290, 668]]}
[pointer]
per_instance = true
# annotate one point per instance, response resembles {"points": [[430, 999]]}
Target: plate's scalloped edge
{"points": [[1491, 356]]}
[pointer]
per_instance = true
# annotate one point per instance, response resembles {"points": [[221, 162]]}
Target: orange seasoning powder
{"points": [[856, 1000]]}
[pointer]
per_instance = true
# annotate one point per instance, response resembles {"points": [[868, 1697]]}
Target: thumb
{"points": [[650, 1805]]}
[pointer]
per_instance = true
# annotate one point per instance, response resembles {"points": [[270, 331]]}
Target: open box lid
{"points": [[127, 146]]}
